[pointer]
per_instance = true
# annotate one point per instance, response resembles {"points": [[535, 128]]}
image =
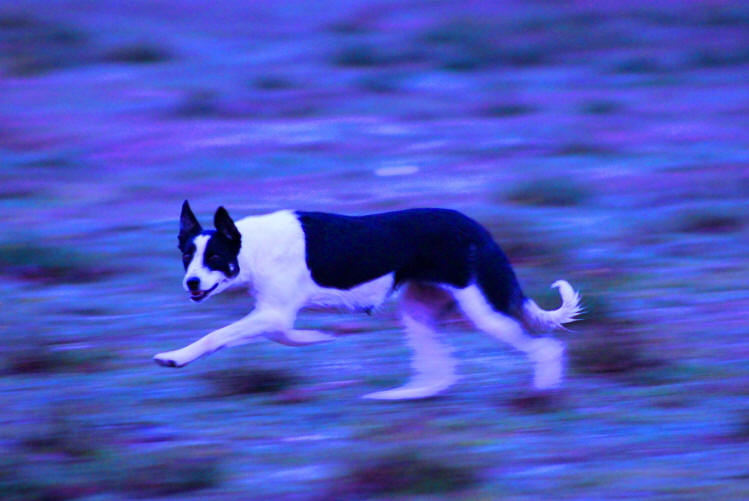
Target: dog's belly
{"points": [[361, 297]]}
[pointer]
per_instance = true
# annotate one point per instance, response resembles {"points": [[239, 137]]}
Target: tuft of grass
{"points": [[718, 58], [10, 21], [742, 429], [736, 15], [611, 350], [614, 349], [601, 107], [519, 239], [30, 46], [63, 432], [174, 471], [272, 82], [294, 396], [461, 32], [31, 355], [197, 104], [23, 479], [583, 148], [368, 56], [13, 485], [68, 456], [355, 25], [476, 58], [537, 402], [708, 220], [35, 357], [508, 110], [16, 194], [473, 60], [380, 83], [462, 45], [728, 15], [357, 56], [139, 53], [49, 264], [405, 473], [554, 192], [607, 341], [638, 65], [231, 382], [524, 56], [471, 45], [50, 162]]}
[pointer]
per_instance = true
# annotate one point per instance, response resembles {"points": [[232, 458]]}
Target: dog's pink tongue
{"points": [[196, 293]]}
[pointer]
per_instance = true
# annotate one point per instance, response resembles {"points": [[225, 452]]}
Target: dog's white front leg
{"points": [[259, 322], [299, 337]]}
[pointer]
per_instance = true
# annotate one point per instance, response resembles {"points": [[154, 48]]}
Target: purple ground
{"points": [[602, 142]]}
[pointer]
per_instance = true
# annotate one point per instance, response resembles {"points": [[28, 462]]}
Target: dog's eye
{"points": [[214, 258], [186, 259]]}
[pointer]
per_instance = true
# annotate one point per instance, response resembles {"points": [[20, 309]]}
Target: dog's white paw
{"points": [[168, 359], [407, 392], [547, 356]]}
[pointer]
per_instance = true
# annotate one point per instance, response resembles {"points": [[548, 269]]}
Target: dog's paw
{"points": [[167, 360], [548, 361], [404, 393]]}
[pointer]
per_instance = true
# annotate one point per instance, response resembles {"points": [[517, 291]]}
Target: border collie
{"points": [[431, 257]]}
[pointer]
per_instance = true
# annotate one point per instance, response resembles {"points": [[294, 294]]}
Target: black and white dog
{"points": [[289, 259]]}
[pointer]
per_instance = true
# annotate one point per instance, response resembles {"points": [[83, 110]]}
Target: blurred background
{"points": [[603, 142]]}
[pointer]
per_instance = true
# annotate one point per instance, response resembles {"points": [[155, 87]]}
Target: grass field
{"points": [[605, 143]]}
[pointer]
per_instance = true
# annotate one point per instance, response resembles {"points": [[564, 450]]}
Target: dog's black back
{"points": [[424, 245]]}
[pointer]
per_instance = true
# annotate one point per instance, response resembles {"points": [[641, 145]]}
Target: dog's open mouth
{"points": [[198, 296]]}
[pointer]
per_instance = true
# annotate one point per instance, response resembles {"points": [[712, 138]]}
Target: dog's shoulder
{"points": [[273, 224], [266, 235]]}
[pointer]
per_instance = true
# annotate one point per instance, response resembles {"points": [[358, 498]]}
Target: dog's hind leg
{"points": [[545, 353], [432, 362]]}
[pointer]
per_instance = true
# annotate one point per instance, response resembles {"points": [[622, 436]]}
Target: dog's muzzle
{"points": [[199, 295]]}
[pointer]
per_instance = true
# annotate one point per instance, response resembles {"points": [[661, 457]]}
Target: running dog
{"points": [[290, 259]]}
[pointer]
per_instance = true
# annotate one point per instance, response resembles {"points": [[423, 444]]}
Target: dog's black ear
{"points": [[189, 226], [225, 226]]}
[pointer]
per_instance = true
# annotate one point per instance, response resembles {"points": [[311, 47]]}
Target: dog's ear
{"points": [[188, 225], [225, 226]]}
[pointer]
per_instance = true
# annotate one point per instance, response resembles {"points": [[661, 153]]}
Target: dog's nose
{"points": [[193, 284]]}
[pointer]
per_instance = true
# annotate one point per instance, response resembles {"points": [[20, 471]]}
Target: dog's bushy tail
{"points": [[539, 320]]}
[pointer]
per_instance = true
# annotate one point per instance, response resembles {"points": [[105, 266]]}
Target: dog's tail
{"points": [[540, 320]]}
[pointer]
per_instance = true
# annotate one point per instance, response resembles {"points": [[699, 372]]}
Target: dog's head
{"points": [[210, 257]]}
